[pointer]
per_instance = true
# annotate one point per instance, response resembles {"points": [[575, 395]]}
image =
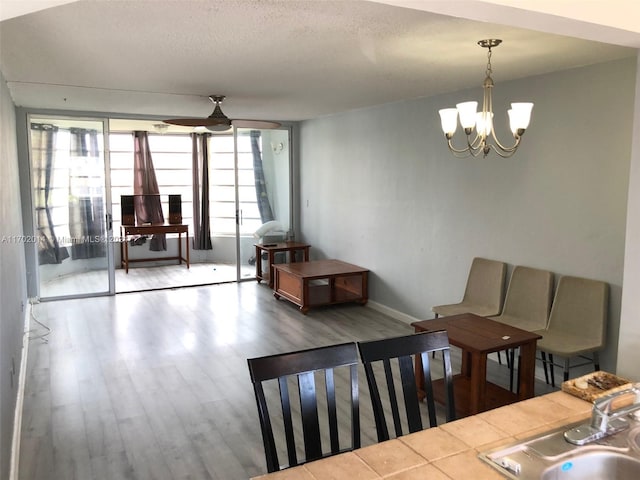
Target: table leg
{"points": [[465, 367], [258, 264], [526, 372], [186, 242], [305, 296], [306, 254], [477, 394], [419, 377], [126, 255], [365, 288], [271, 255], [179, 248]]}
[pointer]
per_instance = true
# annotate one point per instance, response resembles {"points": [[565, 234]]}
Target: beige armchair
{"points": [[577, 324], [484, 292]]}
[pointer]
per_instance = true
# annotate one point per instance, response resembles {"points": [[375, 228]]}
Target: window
{"points": [[172, 162], [221, 184]]}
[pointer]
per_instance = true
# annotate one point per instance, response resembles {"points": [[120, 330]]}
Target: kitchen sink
{"points": [[605, 448], [550, 456], [596, 465]]}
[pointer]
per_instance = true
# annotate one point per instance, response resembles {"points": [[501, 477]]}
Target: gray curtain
{"points": [[86, 196], [43, 147], [264, 206], [201, 222], [145, 188]]}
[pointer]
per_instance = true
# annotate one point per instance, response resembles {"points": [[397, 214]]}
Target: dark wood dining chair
{"points": [[305, 367], [404, 349]]}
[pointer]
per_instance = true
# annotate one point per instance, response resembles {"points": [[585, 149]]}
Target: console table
{"points": [[127, 230], [272, 248], [320, 282]]}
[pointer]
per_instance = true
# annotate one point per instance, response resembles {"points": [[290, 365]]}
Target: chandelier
{"points": [[482, 122]]}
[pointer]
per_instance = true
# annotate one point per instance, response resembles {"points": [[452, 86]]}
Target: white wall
{"points": [[629, 357], [13, 297], [380, 189]]}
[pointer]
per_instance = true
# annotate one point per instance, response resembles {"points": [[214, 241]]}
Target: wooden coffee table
{"points": [[320, 282]]}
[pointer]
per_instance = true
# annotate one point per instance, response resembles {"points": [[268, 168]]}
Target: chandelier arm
{"points": [[502, 153], [470, 149], [502, 147], [477, 143]]}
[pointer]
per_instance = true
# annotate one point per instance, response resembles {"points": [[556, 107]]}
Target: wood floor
{"points": [[155, 385]]}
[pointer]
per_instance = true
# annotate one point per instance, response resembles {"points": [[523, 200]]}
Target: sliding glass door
{"points": [[71, 208], [263, 201], [75, 185]]}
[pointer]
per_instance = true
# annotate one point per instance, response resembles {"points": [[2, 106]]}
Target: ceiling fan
{"points": [[218, 121]]}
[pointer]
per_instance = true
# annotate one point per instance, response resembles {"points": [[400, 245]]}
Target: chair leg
{"points": [[553, 376], [544, 367], [499, 358], [596, 361], [566, 369]]}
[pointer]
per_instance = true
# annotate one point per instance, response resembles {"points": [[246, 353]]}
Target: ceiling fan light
{"points": [[219, 127]]}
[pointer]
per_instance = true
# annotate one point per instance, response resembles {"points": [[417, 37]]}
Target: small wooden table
{"points": [[126, 230], [477, 337], [272, 248], [320, 282]]}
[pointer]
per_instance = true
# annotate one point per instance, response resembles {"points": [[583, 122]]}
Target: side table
{"points": [[477, 337], [272, 248]]}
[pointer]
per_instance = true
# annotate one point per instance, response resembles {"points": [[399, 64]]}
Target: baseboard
{"points": [[22, 378], [403, 317]]}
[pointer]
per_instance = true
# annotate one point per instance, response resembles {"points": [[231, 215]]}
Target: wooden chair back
{"points": [[305, 367], [405, 349]]}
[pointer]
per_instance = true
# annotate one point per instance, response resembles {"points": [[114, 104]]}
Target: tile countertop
{"points": [[449, 451]]}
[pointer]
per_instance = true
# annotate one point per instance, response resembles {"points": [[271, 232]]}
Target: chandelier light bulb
{"points": [[467, 112], [521, 114], [484, 123], [449, 120]]}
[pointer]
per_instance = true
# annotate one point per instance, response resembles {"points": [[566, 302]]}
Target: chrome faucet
{"points": [[604, 421]]}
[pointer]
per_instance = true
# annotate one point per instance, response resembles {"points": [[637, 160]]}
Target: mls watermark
{"points": [[41, 239]]}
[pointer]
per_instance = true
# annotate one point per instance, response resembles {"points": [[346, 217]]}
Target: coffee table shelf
{"points": [[495, 395]]}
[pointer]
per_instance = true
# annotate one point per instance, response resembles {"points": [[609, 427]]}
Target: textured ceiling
{"points": [[273, 59]]}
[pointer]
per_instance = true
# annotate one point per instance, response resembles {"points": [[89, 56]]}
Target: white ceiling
{"points": [[285, 59]]}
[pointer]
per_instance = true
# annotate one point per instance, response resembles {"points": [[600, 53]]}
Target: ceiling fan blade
{"points": [[264, 124], [197, 122], [219, 119]]}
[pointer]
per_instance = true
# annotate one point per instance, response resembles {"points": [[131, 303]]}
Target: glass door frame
{"points": [[290, 227], [109, 243]]}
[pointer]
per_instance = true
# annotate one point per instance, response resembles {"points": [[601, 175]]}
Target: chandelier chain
{"points": [[489, 71]]}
